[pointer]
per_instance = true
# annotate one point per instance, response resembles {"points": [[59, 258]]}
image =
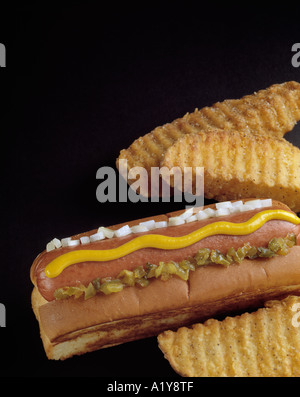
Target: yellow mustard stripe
{"points": [[54, 268]]}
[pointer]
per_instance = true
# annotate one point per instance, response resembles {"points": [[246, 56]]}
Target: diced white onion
{"points": [[64, 241], [150, 225], [50, 246], [161, 224], [176, 221], [97, 236], [123, 231], [210, 212], [202, 215], [236, 207], [224, 204], [246, 207], [222, 209], [222, 212], [107, 232], [56, 243], [187, 214], [238, 203], [73, 243], [192, 218], [266, 203], [138, 229], [254, 203], [85, 240]]}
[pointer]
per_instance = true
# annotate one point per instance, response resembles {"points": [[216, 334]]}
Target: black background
{"points": [[82, 82]]}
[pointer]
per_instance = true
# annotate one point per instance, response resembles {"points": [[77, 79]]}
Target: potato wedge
{"points": [[273, 111], [240, 165], [265, 343]]}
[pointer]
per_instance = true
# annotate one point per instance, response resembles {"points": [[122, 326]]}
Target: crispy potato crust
{"points": [[273, 111], [240, 165], [265, 343]]}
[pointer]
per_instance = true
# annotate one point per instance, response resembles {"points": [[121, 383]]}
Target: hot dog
{"points": [[169, 271]]}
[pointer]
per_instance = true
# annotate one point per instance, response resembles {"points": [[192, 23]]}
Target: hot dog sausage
{"points": [[87, 271]]}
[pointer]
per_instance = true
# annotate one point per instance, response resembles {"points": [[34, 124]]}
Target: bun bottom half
{"points": [[73, 327]]}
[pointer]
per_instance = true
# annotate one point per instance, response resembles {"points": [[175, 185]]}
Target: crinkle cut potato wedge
{"points": [[265, 343], [240, 165], [273, 111]]}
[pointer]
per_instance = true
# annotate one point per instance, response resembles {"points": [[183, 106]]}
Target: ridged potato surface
{"points": [[240, 165], [265, 343], [273, 111]]}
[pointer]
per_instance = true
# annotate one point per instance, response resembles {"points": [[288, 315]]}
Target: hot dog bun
{"points": [[75, 326]]}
